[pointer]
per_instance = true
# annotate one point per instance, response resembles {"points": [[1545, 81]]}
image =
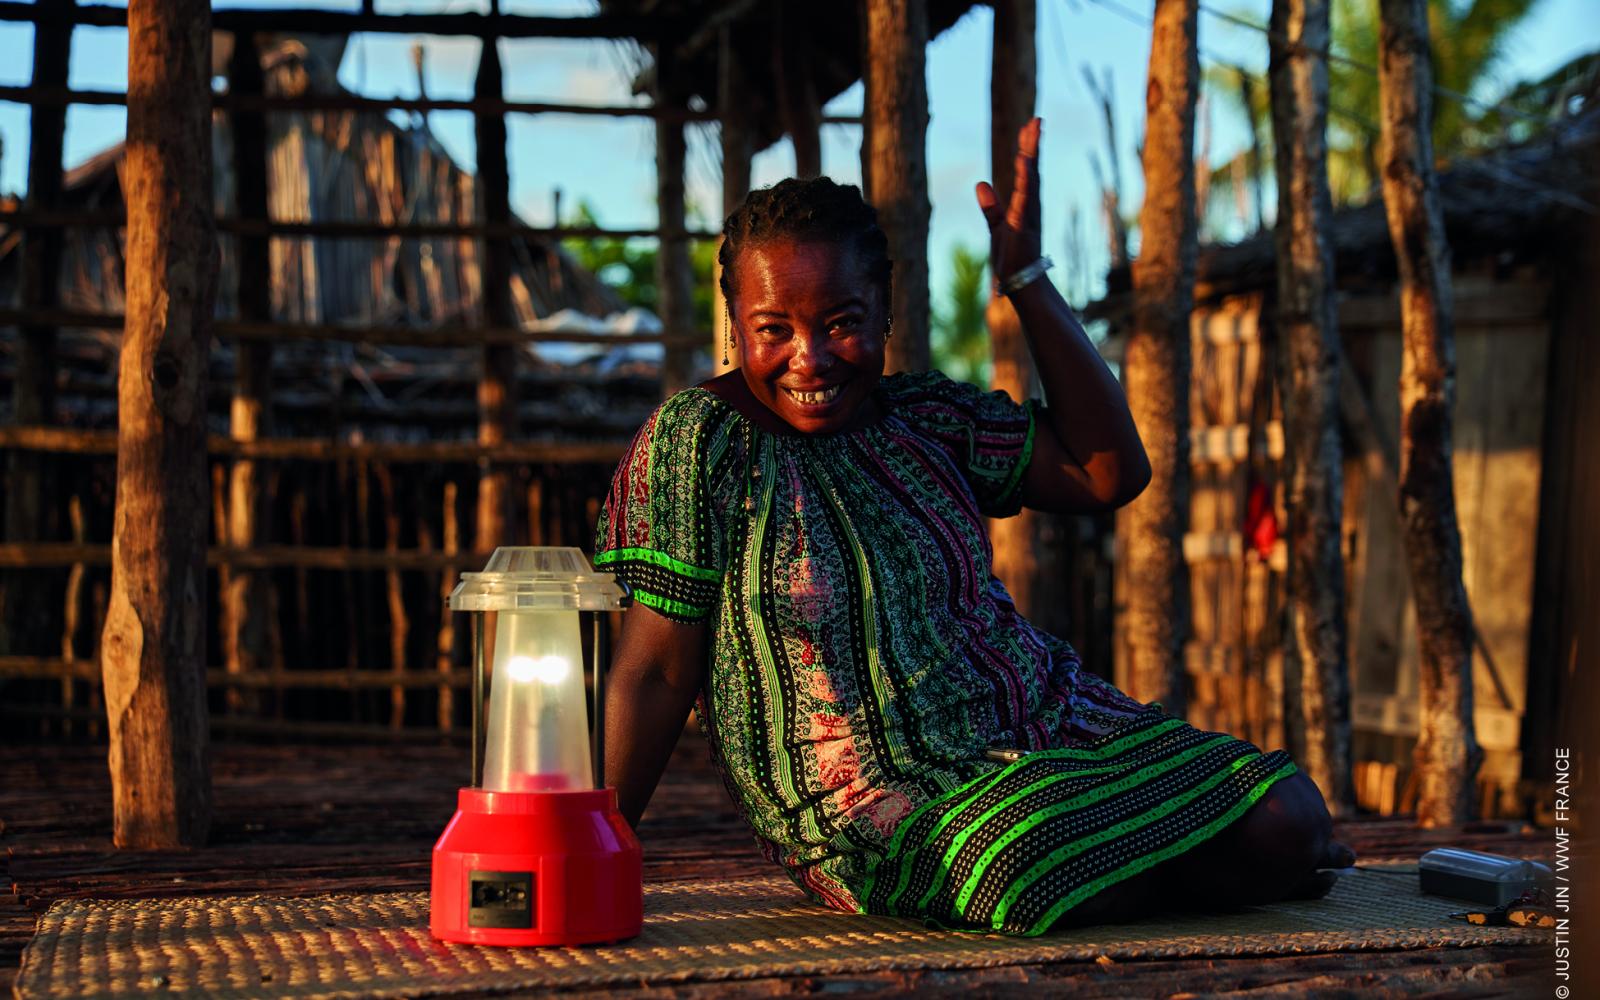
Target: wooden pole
{"points": [[34, 401], [864, 53], [738, 146], [33, 389], [347, 580], [894, 164], [441, 336], [674, 274], [536, 508], [298, 515], [1254, 158], [74, 441], [346, 229], [798, 105], [1019, 559], [497, 403], [365, 654], [341, 558], [345, 101], [313, 21], [446, 659], [247, 599], [71, 613], [1156, 370], [153, 653], [394, 593], [1111, 188], [1202, 167], [1447, 754], [738, 142], [1316, 668]]}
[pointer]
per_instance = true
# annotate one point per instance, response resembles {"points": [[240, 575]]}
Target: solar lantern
{"points": [[536, 853]]}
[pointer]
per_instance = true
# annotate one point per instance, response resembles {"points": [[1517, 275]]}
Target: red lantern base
{"points": [[537, 868]]}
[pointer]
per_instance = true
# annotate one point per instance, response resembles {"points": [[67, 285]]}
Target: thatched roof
{"points": [[1513, 204]]}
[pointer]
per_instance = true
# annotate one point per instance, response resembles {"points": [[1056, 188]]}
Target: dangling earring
{"points": [[888, 328], [727, 336]]}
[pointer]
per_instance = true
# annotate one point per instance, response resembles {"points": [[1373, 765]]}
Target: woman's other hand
{"points": [[1014, 239], [655, 675]]}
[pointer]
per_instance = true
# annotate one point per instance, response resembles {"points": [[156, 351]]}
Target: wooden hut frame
{"points": [[1519, 304], [239, 553], [243, 459]]}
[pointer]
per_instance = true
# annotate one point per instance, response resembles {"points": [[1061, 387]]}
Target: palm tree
{"points": [[960, 337], [1468, 43], [629, 266]]}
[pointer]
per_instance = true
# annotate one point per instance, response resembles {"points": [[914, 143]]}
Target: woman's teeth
{"points": [[814, 398]]}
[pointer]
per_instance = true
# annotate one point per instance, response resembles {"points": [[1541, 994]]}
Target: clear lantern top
{"points": [[537, 737], [537, 578]]}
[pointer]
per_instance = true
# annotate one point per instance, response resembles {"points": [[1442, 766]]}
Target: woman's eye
{"points": [[847, 324]]}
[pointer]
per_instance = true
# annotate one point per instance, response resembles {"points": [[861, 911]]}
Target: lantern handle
{"points": [[602, 659], [477, 699]]}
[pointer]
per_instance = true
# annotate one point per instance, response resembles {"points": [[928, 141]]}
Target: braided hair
{"points": [[813, 209]]}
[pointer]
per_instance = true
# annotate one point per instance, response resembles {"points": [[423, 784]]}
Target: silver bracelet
{"points": [[1021, 279]]}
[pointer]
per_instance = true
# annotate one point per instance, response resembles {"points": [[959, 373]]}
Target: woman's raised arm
{"points": [[1087, 454], [654, 676]]}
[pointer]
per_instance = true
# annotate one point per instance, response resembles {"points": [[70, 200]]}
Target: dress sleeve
{"points": [[659, 531], [987, 434]]}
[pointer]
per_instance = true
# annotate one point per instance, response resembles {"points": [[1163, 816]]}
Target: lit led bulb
{"points": [[544, 669], [538, 732]]}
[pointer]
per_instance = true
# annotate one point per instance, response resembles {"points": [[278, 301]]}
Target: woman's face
{"points": [[811, 326]]}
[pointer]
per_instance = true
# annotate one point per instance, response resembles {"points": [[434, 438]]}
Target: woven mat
{"points": [[378, 945]]}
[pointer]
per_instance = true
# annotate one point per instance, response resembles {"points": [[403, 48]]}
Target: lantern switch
{"points": [[501, 899]]}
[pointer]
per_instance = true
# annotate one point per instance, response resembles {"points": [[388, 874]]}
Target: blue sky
{"points": [[609, 162]]}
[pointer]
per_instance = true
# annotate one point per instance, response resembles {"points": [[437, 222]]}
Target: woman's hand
{"points": [[1014, 232], [655, 674], [1087, 455]]}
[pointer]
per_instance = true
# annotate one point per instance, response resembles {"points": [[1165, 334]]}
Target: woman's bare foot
{"points": [[1321, 882], [1277, 850], [1130, 899], [1281, 848]]}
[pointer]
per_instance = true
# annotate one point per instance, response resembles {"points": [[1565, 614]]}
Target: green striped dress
{"points": [[863, 657]]}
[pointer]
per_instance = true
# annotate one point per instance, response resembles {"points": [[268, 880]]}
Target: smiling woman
{"points": [[806, 541], [811, 333], [805, 268]]}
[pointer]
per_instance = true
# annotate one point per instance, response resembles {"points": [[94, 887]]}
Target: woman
{"points": [[805, 541]]}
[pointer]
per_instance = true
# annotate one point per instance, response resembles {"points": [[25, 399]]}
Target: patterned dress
{"points": [[863, 657]]}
